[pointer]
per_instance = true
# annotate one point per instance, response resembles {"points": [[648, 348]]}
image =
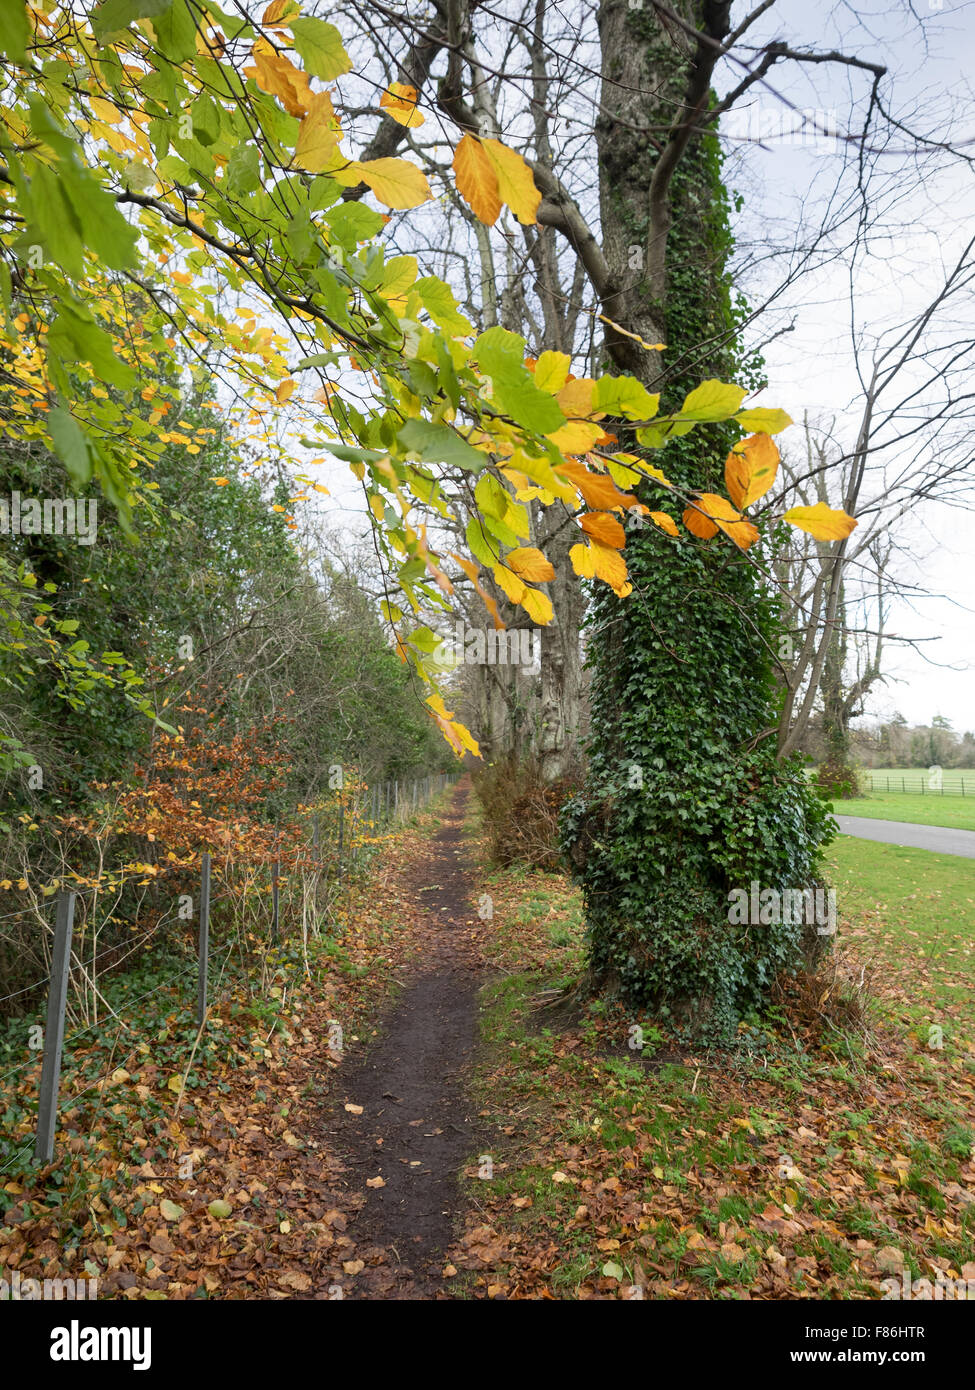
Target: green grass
{"points": [[618, 1172], [917, 910], [952, 811]]}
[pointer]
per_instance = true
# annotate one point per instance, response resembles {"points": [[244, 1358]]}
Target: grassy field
{"points": [[922, 810], [809, 1162]]}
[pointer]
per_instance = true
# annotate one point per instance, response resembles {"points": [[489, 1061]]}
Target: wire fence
{"points": [[921, 785], [214, 885]]}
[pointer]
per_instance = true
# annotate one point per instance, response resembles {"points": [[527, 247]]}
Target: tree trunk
{"points": [[685, 800]]}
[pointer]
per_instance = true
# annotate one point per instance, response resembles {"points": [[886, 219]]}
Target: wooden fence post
{"points": [[204, 941], [47, 1107]]}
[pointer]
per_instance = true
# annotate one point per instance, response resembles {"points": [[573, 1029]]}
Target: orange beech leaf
{"points": [[399, 101], [280, 78], [605, 527], [476, 180], [712, 513], [598, 490], [530, 564], [665, 521], [750, 469]]}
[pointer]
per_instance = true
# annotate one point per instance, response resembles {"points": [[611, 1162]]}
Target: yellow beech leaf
{"points": [[105, 111], [599, 491], [822, 522], [318, 135], [476, 179], [610, 566], [583, 561], [395, 182], [551, 371], [510, 583], [575, 399], [516, 187], [750, 469], [576, 437], [274, 11], [284, 391], [665, 521], [457, 735], [605, 528], [399, 101], [538, 606], [712, 512], [530, 564]]}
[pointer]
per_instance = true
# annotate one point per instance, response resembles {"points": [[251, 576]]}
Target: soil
{"points": [[417, 1128]]}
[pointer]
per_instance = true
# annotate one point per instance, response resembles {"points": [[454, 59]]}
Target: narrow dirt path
{"points": [[417, 1126]]}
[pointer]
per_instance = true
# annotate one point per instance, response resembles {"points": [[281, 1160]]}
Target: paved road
{"points": [[894, 832]]}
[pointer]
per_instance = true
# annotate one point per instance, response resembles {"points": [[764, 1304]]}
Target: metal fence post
{"points": [[204, 941], [47, 1107], [275, 874]]}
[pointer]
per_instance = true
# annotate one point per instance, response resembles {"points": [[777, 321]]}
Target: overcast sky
{"points": [[928, 52], [811, 368]]}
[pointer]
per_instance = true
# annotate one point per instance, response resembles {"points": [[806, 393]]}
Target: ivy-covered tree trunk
{"points": [[685, 799]]}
